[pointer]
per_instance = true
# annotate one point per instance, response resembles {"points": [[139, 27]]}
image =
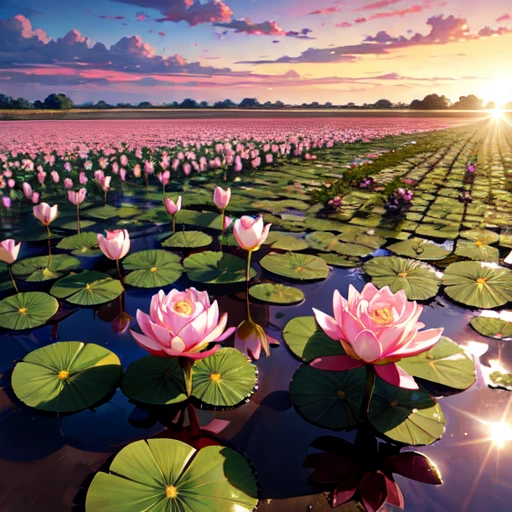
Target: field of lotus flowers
{"points": [[285, 317]]}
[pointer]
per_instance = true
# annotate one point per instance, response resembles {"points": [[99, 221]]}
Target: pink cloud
{"points": [[360, 20], [106, 17], [141, 16], [505, 17], [265, 28], [345, 24], [161, 34], [377, 5], [327, 10], [402, 12]]}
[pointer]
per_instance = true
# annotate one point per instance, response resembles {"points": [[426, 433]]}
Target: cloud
{"points": [[443, 30], [265, 28], [377, 5], [344, 24], [194, 12], [490, 32], [504, 17], [161, 34], [106, 17], [142, 16], [327, 10]]}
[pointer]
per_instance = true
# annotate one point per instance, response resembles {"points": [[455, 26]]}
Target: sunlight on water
{"points": [[501, 433]]}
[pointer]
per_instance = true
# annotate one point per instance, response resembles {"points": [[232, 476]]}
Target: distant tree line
{"points": [[430, 102]]}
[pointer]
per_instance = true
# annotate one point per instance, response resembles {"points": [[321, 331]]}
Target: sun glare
{"points": [[497, 113], [499, 92], [501, 433]]}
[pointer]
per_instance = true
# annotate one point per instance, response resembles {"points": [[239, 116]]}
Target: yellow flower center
{"points": [[402, 274], [215, 377], [183, 307], [22, 310], [300, 269], [394, 403], [382, 315], [481, 280], [63, 375], [171, 491], [478, 243], [154, 269], [340, 394]]}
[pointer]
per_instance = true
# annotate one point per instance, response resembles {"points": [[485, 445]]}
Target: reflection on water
{"points": [[53, 455]]}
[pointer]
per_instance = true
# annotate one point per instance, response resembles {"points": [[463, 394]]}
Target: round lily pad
{"points": [[483, 235], [87, 288], [108, 212], [72, 225], [200, 219], [477, 251], [420, 249], [84, 244], [152, 268], [445, 363], [155, 380], [492, 327], [216, 268], [284, 242], [307, 341], [477, 284], [166, 475], [418, 280], [276, 293], [410, 417], [188, 240], [45, 268], [27, 310], [354, 236], [224, 379], [328, 399], [302, 267], [337, 260], [351, 249], [321, 240], [66, 376]]}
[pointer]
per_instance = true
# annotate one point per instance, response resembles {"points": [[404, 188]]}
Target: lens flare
{"points": [[501, 433]]}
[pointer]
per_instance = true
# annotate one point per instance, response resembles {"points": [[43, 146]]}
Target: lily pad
{"points": [[477, 251], [418, 280], [108, 212], [200, 219], [328, 399], [155, 380], [410, 417], [420, 249], [478, 284], [72, 225], [216, 268], [27, 310], [445, 363], [321, 240], [302, 267], [87, 288], [84, 244], [337, 260], [152, 268], [492, 327], [188, 240], [283, 242], [166, 475], [45, 268], [66, 376], [354, 236], [276, 293], [224, 379], [483, 235], [307, 341]]}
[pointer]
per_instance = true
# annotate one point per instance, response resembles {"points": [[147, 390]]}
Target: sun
{"points": [[497, 113], [498, 91]]}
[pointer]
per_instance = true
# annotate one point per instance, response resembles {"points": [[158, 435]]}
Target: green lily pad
{"points": [[27, 310], [418, 280], [477, 284], [224, 379], [482, 235], [328, 399], [307, 341], [477, 251], [336, 260], [321, 240], [108, 212], [66, 376], [302, 267], [492, 327], [410, 417], [276, 293], [188, 240], [498, 379], [351, 249], [84, 244], [166, 475], [354, 236], [200, 219], [155, 380], [419, 249], [45, 268], [216, 268], [283, 242], [152, 268], [445, 363], [72, 225], [88, 288]]}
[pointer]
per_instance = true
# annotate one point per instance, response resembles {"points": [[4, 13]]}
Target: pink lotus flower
{"points": [[250, 338], [115, 245], [250, 233], [9, 251], [83, 178], [6, 201], [68, 183], [171, 206], [27, 190], [227, 222], [181, 324], [77, 198], [104, 182], [221, 197], [45, 214], [376, 327], [35, 197], [55, 176]]}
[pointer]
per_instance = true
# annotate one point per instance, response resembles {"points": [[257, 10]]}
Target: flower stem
{"points": [[49, 242], [119, 271], [247, 279], [186, 364], [78, 218], [368, 392], [174, 223], [12, 279], [105, 198], [146, 178]]}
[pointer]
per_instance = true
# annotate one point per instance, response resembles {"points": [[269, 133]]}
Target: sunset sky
{"points": [[289, 50]]}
